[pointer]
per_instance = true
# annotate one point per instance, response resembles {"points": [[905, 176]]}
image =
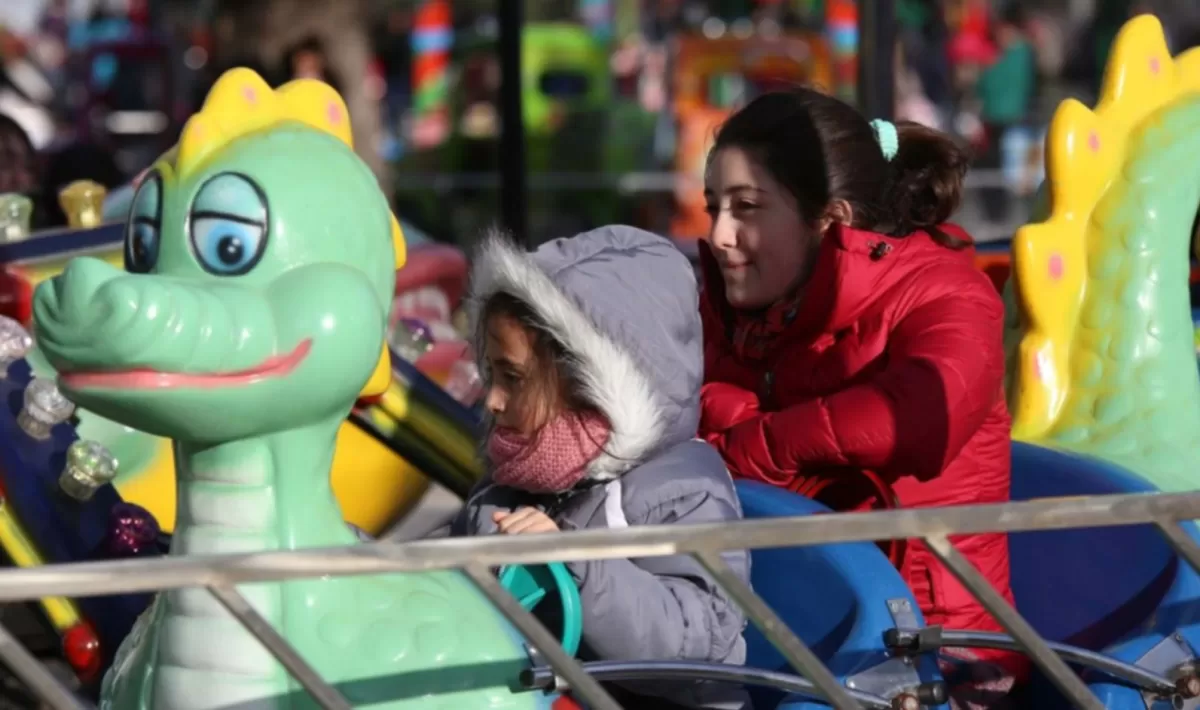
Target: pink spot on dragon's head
{"points": [[250, 94], [1155, 65], [1055, 266], [1094, 142], [334, 113]]}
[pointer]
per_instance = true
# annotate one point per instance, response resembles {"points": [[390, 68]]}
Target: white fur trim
{"points": [[614, 512], [610, 376]]}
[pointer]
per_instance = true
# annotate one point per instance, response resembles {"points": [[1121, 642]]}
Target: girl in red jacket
{"points": [[852, 351]]}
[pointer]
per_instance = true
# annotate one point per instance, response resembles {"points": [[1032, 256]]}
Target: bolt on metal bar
{"points": [[36, 676], [797, 653], [1180, 541], [287, 655], [1059, 673], [123, 576], [582, 685]]}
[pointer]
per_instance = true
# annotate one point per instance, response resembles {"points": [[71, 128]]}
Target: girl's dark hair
{"points": [[821, 149], [551, 376]]}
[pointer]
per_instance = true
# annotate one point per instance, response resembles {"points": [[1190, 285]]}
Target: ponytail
{"points": [[925, 182]]}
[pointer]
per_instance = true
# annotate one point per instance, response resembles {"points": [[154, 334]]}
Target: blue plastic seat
{"points": [[1119, 590], [833, 596]]}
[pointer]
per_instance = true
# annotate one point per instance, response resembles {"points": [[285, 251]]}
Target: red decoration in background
{"points": [[16, 296], [81, 648]]}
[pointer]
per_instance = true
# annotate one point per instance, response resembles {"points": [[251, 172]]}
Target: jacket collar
{"points": [[853, 267]]}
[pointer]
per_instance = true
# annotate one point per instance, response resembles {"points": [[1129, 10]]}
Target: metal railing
{"points": [[477, 556]]}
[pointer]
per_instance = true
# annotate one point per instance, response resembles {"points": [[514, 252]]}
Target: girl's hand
{"points": [[724, 406], [524, 520]]}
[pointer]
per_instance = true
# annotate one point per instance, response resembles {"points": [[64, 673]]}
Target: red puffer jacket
{"points": [[893, 366]]}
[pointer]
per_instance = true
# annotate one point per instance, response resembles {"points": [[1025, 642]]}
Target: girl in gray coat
{"points": [[592, 350]]}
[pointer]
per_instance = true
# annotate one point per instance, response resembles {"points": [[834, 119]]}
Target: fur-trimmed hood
{"points": [[624, 303]]}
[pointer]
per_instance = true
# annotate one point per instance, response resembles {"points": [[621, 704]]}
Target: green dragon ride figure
{"points": [[260, 262], [1101, 348]]}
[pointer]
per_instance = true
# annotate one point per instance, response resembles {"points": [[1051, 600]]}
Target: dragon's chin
{"points": [[146, 379]]}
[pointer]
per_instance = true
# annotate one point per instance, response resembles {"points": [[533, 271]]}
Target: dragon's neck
{"points": [[265, 493], [271, 492]]}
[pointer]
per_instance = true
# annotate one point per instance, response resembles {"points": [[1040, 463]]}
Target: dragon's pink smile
{"points": [[146, 379]]}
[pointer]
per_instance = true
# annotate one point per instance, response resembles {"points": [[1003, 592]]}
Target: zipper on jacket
{"points": [[768, 385]]}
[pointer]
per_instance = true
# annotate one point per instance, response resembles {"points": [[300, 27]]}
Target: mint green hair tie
{"points": [[888, 138]]}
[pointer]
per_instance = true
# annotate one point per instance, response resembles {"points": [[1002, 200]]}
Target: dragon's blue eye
{"points": [[227, 246], [229, 225], [144, 225]]}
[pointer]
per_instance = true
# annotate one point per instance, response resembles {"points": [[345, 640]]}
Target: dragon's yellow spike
{"points": [[241, 103], [316, 104], [1140, 75], [1083, 152], [1187, 70]]}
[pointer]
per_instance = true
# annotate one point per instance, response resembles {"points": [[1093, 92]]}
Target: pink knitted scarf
{"points": [[551, 461]]}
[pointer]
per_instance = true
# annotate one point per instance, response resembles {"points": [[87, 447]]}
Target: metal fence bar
{"points": [[1181, 542], [542, 677], [797, 653], [324, 694], [1059, 673], [37, 677], [122, 576], [581, 684]]}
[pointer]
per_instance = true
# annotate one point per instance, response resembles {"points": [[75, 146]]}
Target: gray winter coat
{"points": [[623, 302]]}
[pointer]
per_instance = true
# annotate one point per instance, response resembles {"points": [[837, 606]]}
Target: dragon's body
{"points": [[262, 256], [1101, 354]]}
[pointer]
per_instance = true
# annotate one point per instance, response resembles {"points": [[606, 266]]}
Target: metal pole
{"points": [[877, 58], [514, 193]]}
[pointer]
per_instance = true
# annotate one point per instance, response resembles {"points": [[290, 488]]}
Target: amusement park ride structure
{"points": [[1103, 387]]}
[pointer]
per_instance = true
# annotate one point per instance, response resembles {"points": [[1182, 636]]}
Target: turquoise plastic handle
{"points": [[530, 585]]}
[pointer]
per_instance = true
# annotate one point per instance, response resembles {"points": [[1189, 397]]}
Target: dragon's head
{"points": [[260, 263]]}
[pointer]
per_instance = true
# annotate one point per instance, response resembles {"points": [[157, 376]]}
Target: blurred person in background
{"points": [[912, 102], [18, 161], [1006, 90], [925, 36], [307, 59]]}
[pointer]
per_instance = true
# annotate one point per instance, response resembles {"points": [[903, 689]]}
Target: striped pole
{"points": [[432, 38], [841, 27]]}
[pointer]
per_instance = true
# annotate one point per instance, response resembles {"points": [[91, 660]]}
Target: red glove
{"points": [[723, 406]]}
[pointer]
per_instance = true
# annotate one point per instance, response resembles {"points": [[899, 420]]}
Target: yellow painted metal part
{"points": [[62, 612], [1085, 150]]}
